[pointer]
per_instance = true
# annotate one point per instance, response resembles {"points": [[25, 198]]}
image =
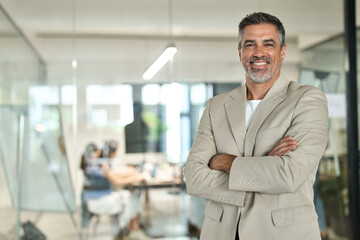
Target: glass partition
{"points": [[34, 170], [34, 162], [20, 64], [44, 183], [323, 66]]}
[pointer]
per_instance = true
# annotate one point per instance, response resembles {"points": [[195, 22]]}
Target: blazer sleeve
{"points": [[287, 173], [201, 181]]}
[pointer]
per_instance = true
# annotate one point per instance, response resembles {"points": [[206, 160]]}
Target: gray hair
{"points": [[258, 18]]}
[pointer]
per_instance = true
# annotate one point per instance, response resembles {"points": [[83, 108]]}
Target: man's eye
{"points": [[269, 44], [249, 45]]}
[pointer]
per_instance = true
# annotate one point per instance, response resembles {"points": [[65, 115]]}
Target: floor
{"points": [[163, 217]]}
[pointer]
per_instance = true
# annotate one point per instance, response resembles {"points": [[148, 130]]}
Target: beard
{"points": [[261, 75]]}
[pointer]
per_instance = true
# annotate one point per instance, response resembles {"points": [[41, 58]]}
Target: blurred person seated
{"points": [[90, 164], [122, 202], [95, 182], [126, 175]]}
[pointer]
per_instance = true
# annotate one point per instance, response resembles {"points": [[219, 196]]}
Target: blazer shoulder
{"points": [[301, 90]]}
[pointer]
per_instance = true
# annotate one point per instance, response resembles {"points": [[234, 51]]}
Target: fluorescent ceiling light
{"points": [[160, 62]]}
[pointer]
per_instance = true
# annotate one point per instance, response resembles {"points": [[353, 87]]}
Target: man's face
{"points": [[261, 53]]}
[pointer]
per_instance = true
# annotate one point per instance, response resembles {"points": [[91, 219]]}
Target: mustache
{"points": [[263, 58]]}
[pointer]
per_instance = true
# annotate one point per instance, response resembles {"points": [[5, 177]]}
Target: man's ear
{"points": [[283, 51], [239, 49]]}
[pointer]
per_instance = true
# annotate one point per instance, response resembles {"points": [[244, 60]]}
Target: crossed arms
{"points": [[220, 176], [223, 161]]}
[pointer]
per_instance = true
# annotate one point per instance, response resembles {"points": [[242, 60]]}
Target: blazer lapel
{"points": [[235, 111], [275, 95]]}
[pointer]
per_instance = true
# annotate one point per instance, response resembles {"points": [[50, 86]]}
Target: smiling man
{"points": [[258, 147]]}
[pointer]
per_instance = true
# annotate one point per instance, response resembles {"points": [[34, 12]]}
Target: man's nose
{"points": [[259, 51]]}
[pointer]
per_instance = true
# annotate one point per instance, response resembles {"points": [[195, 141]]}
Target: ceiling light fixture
{"points": [[166, 55], [160, 62]]}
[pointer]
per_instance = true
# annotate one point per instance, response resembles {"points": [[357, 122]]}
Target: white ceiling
{"points": [[115, 41]]}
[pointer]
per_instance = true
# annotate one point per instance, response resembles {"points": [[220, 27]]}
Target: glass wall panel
{"points": [[44, 183], [19, 67], [34, 171], [324, 66]]}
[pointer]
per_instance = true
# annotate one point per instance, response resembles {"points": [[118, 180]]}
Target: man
{"points": [[258, 147]]}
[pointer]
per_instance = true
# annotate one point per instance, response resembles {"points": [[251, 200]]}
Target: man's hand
{"points": [[222, 162], [285, 145]]}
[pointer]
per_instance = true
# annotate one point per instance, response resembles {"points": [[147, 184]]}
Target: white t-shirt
{"points": [[251, 106]]}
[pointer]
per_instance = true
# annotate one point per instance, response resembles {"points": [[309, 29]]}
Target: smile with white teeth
{"points": [[260, 64]]}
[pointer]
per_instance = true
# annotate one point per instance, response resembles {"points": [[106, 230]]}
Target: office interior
{"points": [[71, 73]]}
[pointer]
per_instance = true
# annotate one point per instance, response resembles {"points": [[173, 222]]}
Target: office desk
{"points": [[156, 184], [176, 183]]}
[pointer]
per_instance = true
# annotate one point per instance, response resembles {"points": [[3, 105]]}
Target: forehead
{"points": [[260, 31]]}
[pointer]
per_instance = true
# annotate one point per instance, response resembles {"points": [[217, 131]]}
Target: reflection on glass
{"points": [[46, 183], [20, 68], [323, 67]]}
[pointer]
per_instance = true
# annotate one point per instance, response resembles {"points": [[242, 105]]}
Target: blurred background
{"points": [[71, 75]]}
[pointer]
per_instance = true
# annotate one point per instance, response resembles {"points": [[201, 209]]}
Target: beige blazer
{"points": [[264, 197]]}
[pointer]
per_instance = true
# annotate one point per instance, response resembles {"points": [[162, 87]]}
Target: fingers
{"points": [[284, 148], [285, 145]]}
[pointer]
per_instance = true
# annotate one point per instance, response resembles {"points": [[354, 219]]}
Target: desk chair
{"points": [[86, 215]]}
